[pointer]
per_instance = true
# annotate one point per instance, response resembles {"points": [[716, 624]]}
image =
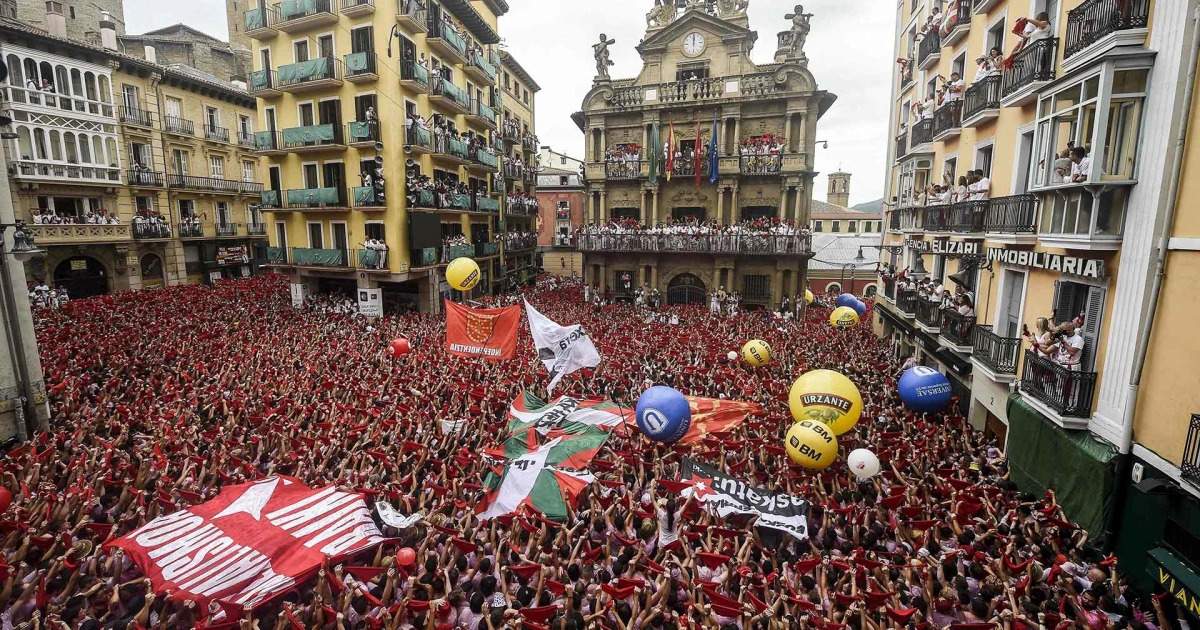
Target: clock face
{"points": [[693, 44]]}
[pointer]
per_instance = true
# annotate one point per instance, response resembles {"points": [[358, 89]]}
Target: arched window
{"points": [[77, 89], [56, 148], [111, 145], [105, 90], [871, 290], [85, 149], [24, 143], [89, 87], [63, 86], [833, 287], [31, 71], [72, 149], [39, 145], [16, 77]]}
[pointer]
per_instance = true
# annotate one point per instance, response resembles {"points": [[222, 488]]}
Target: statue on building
{"points": [[732, 8], [800, 28], [602, 59], [661, 15]]}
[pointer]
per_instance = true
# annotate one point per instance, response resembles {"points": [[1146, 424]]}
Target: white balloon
{"points": [[732, 355], [863, 463]]}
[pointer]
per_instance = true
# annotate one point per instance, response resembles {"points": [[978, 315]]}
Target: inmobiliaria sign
{"points": [[250, 543]]}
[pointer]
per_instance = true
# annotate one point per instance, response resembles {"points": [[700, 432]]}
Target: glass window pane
{"points": [[1083, 223], [1067, 98], [1091, 88], [1110, 216], [1124, 125], [1129, 81], [1087, 127]]}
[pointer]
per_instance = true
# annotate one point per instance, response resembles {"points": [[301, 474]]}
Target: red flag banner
{"points": [[710, 416], [490, 333], [251, 543]]}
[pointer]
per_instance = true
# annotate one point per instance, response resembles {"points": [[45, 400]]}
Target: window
{"points": [[216, 165], [174, 107], [374, 231], [983, 160], [852, 227], [141, 155], [248, 168], [1073, 299], [959, 66], [281, 235], [325, 46], [222, 213], [180, 160], [995, 37], [691, 73], [144, 204], [315, 234], [818, 226], [949, 171], [837, 226], [131, 97], [306, 114], [300, 51], [361, 40], [244, 126], [187, 209], [1012, 293], [212, 117], [311, 176]]}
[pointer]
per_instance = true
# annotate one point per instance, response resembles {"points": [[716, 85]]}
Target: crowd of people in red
{"points": [[161, 398]]}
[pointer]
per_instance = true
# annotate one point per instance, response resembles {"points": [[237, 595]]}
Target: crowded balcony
{"points": [[49, 171], [1068, 392], [428, 200], [958, 21], [263, 83], [297, 16], [906, 73], [922, 135], [79, 233], [684, 166], [418, 139], [486, 204], [414, 76], [947, 121], [358, 8], [313, 138], [487, 249], [315, 199], [929, 50], [450, 149], [956, 330], [1104, 24], [761, 165], [966, 217], [695, 90], [523, 206], [450, 96], [227, 230], [482, 113], [519, 242], [176, 181], [1032, 67], [363, 134], [150, 230], [193, 228], [481, 68], [259, 23], [623, 170], [144, 178], [998, 355], [216, 134], [1011, 219], [935, 218], [314, 74], [178, 126], [906, 301], [981, 101], [411, 16], [135, 116], [482, 159], [368, 198], [743, 244], [450, 45], [361, 67], [451, 252], [929, 316]]}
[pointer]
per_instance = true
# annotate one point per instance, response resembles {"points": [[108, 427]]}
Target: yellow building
{"points": [[518, 116], [697, 75], [133, 174], [1066, 141], [379, 121]]}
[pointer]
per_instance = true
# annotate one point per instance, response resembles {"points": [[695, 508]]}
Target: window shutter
{"points": [[1091, 325], [1062, 302]]}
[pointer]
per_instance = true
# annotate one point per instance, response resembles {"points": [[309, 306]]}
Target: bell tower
{"points": [[839, 189]]}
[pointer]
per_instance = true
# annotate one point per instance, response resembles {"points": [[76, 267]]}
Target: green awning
{"points": [[314, 134], [310, 70], [1176, 577]]}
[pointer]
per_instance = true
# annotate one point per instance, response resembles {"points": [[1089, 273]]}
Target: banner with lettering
{"points": [[250, 543], [488, 333], [724, 496]]}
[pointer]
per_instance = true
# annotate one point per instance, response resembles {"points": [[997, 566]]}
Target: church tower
{"points": [[839, 189]]}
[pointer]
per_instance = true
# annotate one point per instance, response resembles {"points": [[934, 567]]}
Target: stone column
{"points": [[721, 204], [591, 211], [654, 275], [603, 207], [642, 207], [654, 206], [796, 205], [783, 195], [734, 208]]}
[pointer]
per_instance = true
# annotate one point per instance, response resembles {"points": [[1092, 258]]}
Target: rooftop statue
{"points": [[602, 59], [800, 28]]}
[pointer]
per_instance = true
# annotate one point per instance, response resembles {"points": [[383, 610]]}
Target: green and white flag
{"points": [[528, 481]]}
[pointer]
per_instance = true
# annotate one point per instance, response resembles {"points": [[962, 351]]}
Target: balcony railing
{"points": [[360, 65], [316, 198], [483, 157], [692, 90], [179, 126], [412, 15], [216, 134], [523, 207], [517, 244], [260, 19], [146, 231], [623, 169], [191, 229], [367, 197], [906, 300], [901, 145], [457, 251], [957, 328], [750, 244], [479, 109], [967, 216], [362, 132], [935, 218], [947, 118], [1015, 214], [761, 164], [268, 141], [74, 173], [79, 233], [483, 250], [1066, 391], [929, 46], [313, 136], [193, 182], [1189, 467], [299, 9], [981, 96], [481, 64], [912, 219], [312, 257], [416, 73], [683, 166], [246, 139], [929, 314], [922, 132], [1093, 20], [135, 116], [299, 74], [227, 229], [256, 229], [957, 26], [446, 88], [449, 40], [263, 83], [75, 103], [998, 354], [418, 137], [894, 220], [270, 200], [145, 178], [428, 200], [1034, 63], [277, 256]]}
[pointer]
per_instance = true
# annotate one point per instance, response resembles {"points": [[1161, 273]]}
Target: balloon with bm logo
{"points": [[663, 414], [462, 274], [811, 444], [756, 353], [826, 396], [843, 317]]}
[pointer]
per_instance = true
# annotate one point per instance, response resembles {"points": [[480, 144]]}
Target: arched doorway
{"points": [[152, 272], [686, 288], [83, 276]]}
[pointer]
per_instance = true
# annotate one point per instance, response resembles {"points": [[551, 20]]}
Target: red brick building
{"points": [[561, 206]]}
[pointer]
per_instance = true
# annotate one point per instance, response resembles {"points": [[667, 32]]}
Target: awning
{"points": [[1176, 577]]}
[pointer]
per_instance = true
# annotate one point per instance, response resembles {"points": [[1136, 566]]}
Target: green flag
{"points": [[654, 149]]}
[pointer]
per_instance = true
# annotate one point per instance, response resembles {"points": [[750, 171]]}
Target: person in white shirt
{"points": [[954, 88], [1081, 164], [1070, 349], [982, 186]]}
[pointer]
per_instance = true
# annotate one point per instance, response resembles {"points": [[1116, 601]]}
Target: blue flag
{"points": [[714, 172]]}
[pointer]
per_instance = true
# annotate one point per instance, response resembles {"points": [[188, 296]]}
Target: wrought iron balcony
{"points": [[313, 74], [1066, 391], [270, 200], [191, 229], [142, 178], [418, 139], [929, 49], [947, 120], [683, 166], [227, 230], [301, 15], [316, 199], [368, 198], [906, 301], [958, 26], [1031, 66], [967, 216], [761, 165], [313, 138], [144, 231], [1094, 20], [256, 229], [746, 244], [1014, 214], [179, 126], [935, 218], [446, 93], [1189, 467], [922, 132], [362, 133], [482, 112], [981, 101], [135, 116], [481, 68], [446, 41], [216, 184], [356, 8], [929, 315], [483, 250], [263, 83], [912, 219], [414, 76], [259, 23], [314, 257], [901, 145], [957, 328], [216, 134], [360, 67], [268, 142], [996, 353], [412, 17], [246, 139]]}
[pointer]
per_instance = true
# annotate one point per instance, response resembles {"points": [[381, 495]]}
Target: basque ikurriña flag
{"points": [[581, 427], [532, 481]]}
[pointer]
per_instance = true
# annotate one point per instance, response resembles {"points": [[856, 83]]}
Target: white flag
{"points": [[562, 349]]}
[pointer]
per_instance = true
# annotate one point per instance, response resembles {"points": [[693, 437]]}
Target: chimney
{"points": [[56, 20], [151, 54], [108, 31], [839, 189]]}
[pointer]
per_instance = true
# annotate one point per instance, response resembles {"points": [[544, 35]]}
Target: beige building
{"points": [[697, 70], [518, 120]]}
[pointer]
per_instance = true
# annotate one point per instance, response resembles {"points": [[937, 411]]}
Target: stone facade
{"points": [[82, 16], [185, 46]]}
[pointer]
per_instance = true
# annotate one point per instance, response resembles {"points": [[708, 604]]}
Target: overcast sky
{"points": [[849, 51]]}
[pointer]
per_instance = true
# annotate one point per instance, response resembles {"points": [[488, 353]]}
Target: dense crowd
{"points": [[149, 419], [88, 216], [690, 234]]}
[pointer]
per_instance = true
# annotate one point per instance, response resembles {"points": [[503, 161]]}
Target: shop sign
{"points": [[232, 255], [946, 247], [370, 302], [1070, 265], [1176, 578]]}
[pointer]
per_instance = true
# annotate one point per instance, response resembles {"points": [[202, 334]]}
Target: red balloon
{"points": [[406, 557], [5, 499], [399, 347]]}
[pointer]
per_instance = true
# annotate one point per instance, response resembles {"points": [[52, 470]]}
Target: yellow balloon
{"points": [[826, 396], [756, 353], [462, 274], [811, 444], [843, 317], [808, 296]]}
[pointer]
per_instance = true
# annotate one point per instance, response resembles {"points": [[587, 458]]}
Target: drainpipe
{"points": [[1160, 251]]}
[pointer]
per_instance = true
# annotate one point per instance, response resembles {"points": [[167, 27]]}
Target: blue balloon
{"points": [[846, 299], [924, 389], [663, 414], [859, 307]]}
